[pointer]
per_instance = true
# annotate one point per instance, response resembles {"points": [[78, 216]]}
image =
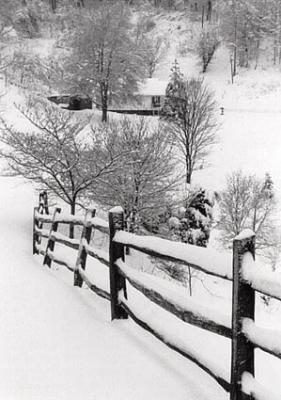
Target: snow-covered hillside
{"points": [[249, 130]]}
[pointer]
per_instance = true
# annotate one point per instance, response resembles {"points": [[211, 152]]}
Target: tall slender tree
{"points": [[189, 114]]}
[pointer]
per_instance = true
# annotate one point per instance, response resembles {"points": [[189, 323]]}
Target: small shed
{"points": [[80, 103], [72, 102], [151, 93]]}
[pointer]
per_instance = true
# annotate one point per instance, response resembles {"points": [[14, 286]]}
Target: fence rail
{"points": [[240, 269]]}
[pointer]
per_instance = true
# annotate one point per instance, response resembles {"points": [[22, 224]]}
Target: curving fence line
{"points": [[240, 268]]}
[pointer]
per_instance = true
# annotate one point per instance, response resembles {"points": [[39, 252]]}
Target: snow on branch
{"points": [[165, 294], [258, 392], [203, 259], [264, 281]]}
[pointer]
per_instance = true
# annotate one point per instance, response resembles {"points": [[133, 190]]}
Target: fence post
{"points": [[35, 235], [243, 306], [51, 242], [82, 253], [43, 207], [45, 202], [116, 251]]}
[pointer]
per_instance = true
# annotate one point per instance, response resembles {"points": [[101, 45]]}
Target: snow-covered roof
{"points": [[152, 87]]}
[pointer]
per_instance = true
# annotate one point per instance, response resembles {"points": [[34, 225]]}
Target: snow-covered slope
{"points": [[249, 130], [57, 341]]}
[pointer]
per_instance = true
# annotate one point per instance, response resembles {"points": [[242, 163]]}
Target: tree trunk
{"points": [[234, 70], [104, 101], [188, 172], [104, 114], [53, 5], [71, 226], [209, 11]]}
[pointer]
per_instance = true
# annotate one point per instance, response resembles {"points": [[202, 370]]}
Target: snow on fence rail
{"points": [[241, 269]]}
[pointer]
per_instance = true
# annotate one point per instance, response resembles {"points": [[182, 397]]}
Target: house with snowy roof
{"points": [[149, 98], [151, 93]]}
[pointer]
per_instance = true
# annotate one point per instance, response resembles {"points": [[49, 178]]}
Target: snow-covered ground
{"points": [[249, 131], [57, 341]]}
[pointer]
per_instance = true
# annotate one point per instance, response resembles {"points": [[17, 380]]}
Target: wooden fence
{"points": [[245, 336]]}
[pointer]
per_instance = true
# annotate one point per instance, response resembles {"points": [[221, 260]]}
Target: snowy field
{"points": [[57, 341], [249, 131]]}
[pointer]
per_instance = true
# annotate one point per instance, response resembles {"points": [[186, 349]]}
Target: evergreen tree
{"points": [[192, 223], [175, 94]]}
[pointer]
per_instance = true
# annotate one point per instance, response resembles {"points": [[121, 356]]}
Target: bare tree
{"points": [[146, 173], [189, 114], [207, 45], [248, 202], [155, 49], [55, 154], [7, 10], [33, 71], [104, 61], [244, 24]]}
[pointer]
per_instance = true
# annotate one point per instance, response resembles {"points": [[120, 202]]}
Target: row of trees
{"points": [[246, 25], [123, 162], [134, 163]]}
